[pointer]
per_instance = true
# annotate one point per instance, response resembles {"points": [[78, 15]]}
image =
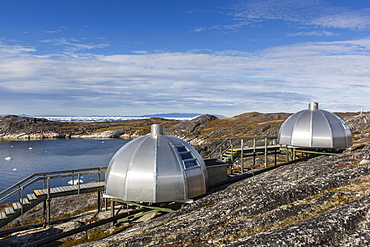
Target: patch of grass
{"points": [[91, 236], [347, 165], [72, 242]]}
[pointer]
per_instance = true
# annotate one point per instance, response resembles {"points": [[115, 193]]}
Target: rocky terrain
{"points": [[204, 132], [321, 202], [27, 128]]}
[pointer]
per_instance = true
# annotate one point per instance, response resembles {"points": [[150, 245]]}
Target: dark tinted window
{"points": [[190, 164], [186, 155], [181, 149]]}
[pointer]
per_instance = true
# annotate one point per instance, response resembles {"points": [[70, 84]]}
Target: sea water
{"points": [[19, 159]]}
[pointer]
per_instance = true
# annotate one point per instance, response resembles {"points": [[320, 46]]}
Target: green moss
{"points": [[72, 242], [91, 236], [96, 235]]}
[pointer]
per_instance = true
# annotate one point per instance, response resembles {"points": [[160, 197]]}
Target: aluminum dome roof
{"points": [[156, 168], [315, 128]]}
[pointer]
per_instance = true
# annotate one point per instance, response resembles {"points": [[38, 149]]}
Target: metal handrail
{"points": [[233, 141], [21, 185]]}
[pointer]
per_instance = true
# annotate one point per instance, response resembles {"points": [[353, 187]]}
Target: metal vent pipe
{"points": [[313, 106], [156, 129]]}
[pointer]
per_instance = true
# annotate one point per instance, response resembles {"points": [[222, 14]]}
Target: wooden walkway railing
{"points": [[23, 202]]}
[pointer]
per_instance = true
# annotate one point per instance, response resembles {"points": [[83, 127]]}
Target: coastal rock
{"points": [[321, 202], [204, 132], [27, 128], [98, 135]]}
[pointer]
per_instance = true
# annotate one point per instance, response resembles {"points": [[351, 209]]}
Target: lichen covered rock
{"points": [[321, 202]]}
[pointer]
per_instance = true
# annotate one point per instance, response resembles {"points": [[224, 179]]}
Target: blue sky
{"points": [[135, 57]]}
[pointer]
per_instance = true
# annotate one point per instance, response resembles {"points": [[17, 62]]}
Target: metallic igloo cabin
{"points": [[315, 128], [156, 168]]}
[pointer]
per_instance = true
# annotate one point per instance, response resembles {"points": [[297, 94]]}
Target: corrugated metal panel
{"points": [[315, 128], [156, 168]]}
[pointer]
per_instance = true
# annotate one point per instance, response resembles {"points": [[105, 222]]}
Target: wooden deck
{"points": [[71, 189], [255, 149]]}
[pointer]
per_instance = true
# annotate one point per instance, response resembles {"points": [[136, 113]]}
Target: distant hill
{"points": [[162, 115], [104, 118], [178, 115]]}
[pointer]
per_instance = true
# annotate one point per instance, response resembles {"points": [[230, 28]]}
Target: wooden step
{"points": [[31, 197], [17, 206], [2, 215], [25, 201], [9, 210]]}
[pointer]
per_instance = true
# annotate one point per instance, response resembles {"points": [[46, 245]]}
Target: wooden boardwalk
{"points": [[71, 189], [233, 153], [256, 149], [18, 208]]}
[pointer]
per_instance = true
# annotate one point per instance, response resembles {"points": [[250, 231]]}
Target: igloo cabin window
{"points": [[187, 157]]}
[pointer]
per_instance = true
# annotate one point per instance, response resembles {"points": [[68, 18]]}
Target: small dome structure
{"points": [[156, 168], [315, 128]]}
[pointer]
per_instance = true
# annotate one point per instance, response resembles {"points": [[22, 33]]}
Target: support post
{"points": [[44, 213], [99, 201], [78, 184], [48, 203], [21, 198], [232, 151], [111, 211], [265, 152], [242, 155], [287, 159]]}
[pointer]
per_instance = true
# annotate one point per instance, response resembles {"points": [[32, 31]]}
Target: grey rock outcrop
{"points": [[359, 125], [321, 202], [190, 129], [14, 127]]}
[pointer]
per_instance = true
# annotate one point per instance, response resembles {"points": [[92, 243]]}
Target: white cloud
{"points": [[289, 10], [312, 13], [58, 30], [354, 20], [313, 33], [14, 50], [230, 82], [73, 45]]}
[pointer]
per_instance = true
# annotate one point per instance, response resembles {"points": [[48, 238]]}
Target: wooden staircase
{"points": [[24, 204], [8, 214]]}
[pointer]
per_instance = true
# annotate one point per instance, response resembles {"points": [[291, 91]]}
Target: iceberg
{"points": [[76, 181]]}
